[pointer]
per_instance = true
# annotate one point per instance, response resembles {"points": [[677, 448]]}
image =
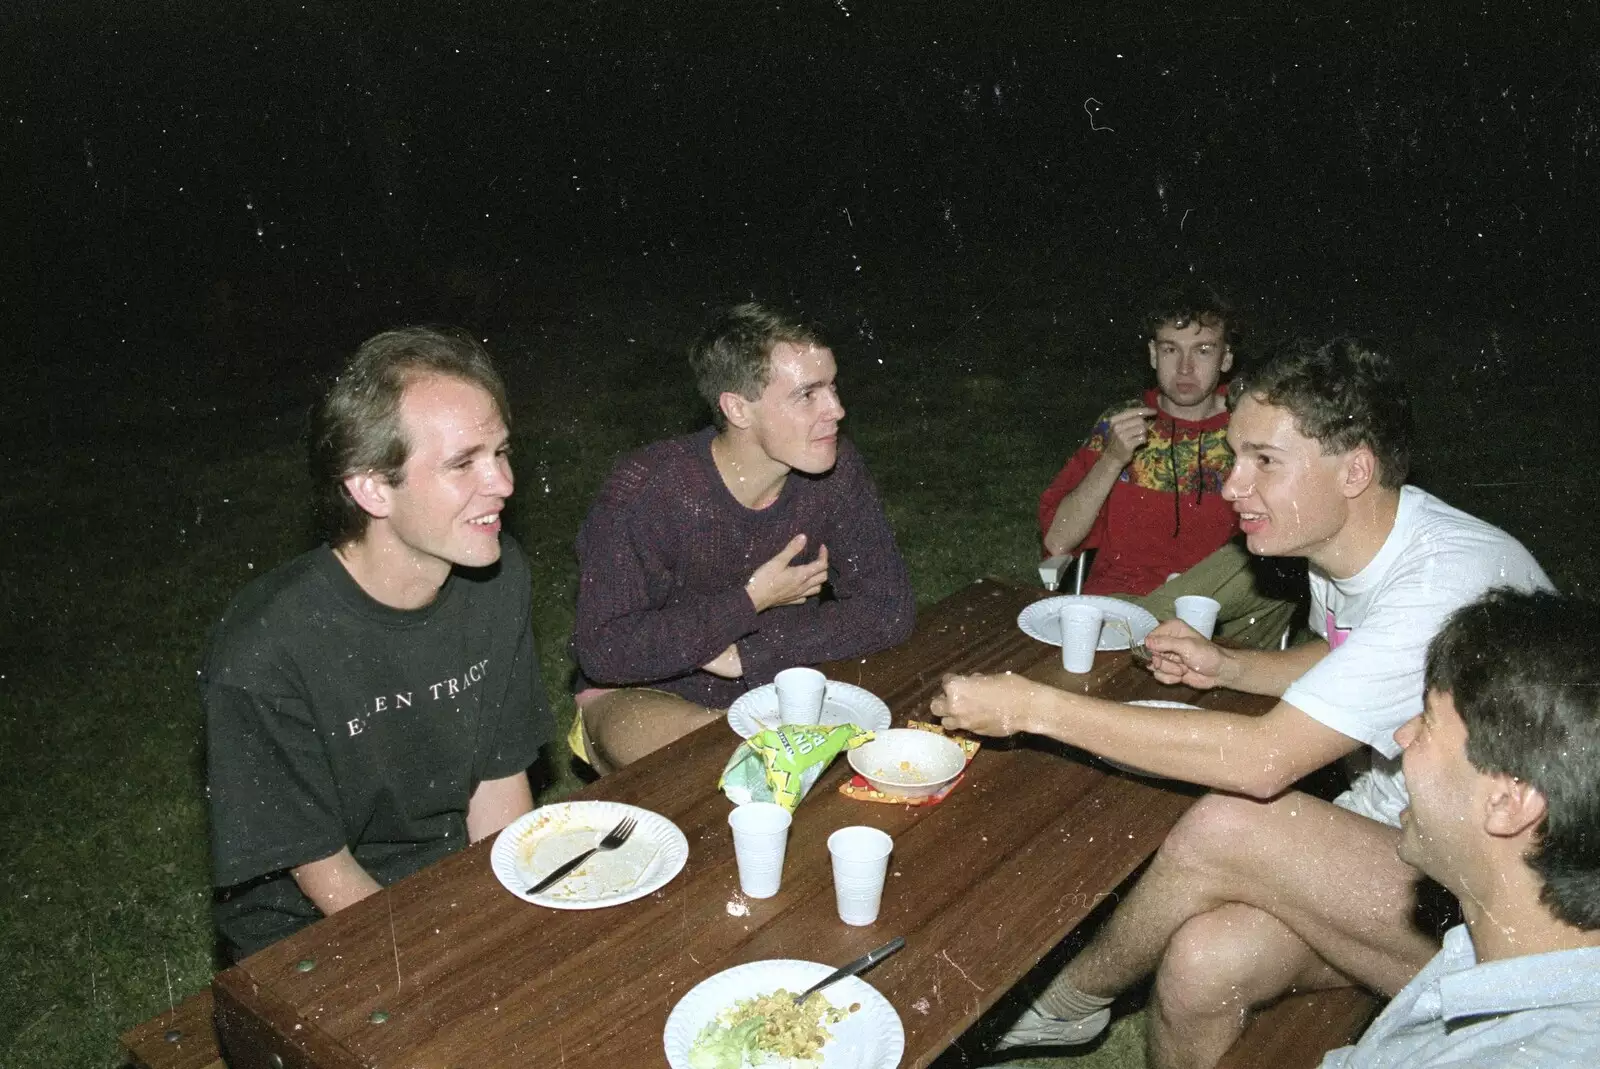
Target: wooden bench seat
{"points": [[1295, 1032]]}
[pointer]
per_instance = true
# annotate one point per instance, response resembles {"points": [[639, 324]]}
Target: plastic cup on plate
{"points": [[760, 837], [860, 863], [1199, 612], [1080, 635], [800, 695]]}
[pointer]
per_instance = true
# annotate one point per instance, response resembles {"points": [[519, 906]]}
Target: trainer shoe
{"points": [[1038, 1029]]}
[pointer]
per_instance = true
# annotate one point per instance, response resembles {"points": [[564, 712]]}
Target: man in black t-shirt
{"points": [[373, 704]]}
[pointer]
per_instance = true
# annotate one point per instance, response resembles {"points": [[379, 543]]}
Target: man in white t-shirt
{"points": [[1260, 889], [1374, 623]]}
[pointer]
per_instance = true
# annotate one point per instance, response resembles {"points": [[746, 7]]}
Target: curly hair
{"points": [[1520, 668], [1342, 393], [1188, 302]]}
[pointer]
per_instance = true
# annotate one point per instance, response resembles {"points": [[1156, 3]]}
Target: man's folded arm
{"points": [[827, 631], [623, 636], [623, 646], [873, 606]]}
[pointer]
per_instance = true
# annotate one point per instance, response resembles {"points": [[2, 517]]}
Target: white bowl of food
{"points": [[908, 762]]}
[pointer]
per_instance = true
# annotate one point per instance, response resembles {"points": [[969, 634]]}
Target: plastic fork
{"points": [[613, 839], [860, 965]]}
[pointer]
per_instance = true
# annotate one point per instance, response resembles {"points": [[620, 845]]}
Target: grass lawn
{"points": [[122, 545]]}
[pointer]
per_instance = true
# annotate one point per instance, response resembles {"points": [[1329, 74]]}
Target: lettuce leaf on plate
{"points": [[720, 1047]]}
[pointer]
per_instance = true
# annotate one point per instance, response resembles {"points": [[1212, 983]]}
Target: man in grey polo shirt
{"points": [[1503, 768]]}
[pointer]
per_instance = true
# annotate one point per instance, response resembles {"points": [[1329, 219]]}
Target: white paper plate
{"points": [[537, 842], [870, 1038], [1042, 620], [1150, 703], [844, 703]]}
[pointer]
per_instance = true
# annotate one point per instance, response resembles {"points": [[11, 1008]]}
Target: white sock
{"points": [[1063, 1000]]}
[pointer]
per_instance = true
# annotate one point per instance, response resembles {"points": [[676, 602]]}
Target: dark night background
{"points": [[206, 203]]}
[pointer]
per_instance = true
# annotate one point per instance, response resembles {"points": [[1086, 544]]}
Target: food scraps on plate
{"points": [[767, 1029]]}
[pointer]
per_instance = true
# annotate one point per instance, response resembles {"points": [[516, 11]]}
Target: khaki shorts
{"points": [[578, 740]]}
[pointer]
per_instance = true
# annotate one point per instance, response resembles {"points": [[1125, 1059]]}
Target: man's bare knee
{"points": [[1203, 990], [1225, 961], [1213, 839]]}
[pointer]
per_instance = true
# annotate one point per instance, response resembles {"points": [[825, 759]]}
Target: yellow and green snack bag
{"points": [[780, 764]]}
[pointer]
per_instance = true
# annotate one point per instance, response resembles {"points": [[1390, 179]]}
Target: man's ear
{"points": [[1227, 359], [1512, 807], [735, 409], [1360, 471], [1151, 345], [371, 491]]}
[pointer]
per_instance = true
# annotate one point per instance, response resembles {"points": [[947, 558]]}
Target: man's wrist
{"points": [[1231, 669], [1031, 718], [1112, 464]]}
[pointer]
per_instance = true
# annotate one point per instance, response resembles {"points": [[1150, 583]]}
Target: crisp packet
{"points": [[781, 764]]}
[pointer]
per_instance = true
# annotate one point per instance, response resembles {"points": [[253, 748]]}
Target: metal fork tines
{"points": [[1140, 652], [613, 839]]}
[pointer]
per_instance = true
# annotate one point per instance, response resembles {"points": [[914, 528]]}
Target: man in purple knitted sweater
{"points": [[710, 562]]}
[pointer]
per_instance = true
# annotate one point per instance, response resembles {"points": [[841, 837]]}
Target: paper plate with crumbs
{"points": [[847, 1025], [1042, 620], [537, 842], [842, 703]]}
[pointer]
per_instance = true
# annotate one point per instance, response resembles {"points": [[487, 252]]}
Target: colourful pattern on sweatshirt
{"points": [[1165, 512]]}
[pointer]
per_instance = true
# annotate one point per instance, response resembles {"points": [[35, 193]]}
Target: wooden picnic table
{"points": [[446, 969]]}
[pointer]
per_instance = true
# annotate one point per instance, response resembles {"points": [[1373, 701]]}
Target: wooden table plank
{"points": [[981, 885], [182, 1038]]}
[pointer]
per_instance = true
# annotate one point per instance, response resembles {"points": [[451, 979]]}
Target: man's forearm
{"points": [[1077, 511], [1271, 672], [877, 613], [873, 606], [1231, 752], [618, 645], [335, 882]]}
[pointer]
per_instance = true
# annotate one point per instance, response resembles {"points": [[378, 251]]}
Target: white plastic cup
{"points": [[1199, 612], [860, 863], [760, 837], [1080, 635], [800, 695]]}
